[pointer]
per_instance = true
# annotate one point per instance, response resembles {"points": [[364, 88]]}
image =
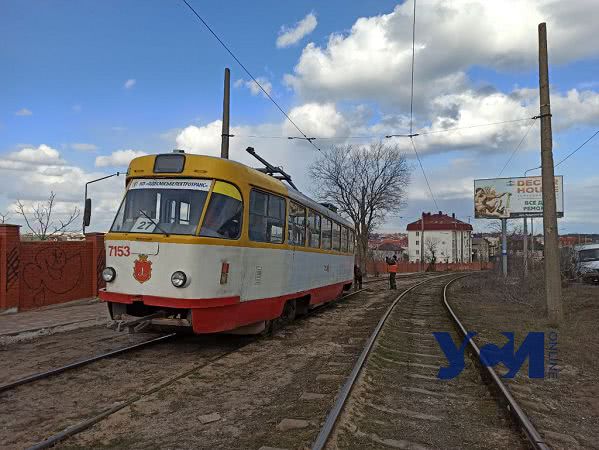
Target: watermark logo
{"points": [[531, 348]]}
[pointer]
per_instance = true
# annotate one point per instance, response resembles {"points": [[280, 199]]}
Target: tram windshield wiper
{"points": [[142, 212]]}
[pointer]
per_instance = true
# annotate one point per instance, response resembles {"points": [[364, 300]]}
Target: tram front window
{"points": [[174, 206]]}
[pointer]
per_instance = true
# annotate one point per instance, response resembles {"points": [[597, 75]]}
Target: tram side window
{"points": [[267, 217], [224, 213], [344, 239], [326, 233], [313, 229], [297, 224], [336, 236]]}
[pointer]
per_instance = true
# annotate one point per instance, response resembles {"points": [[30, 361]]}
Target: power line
{"points": [[250, 75], [569, 154], [578, 148], [424, 173], [424, 133], [413, 52], [517, 147]]}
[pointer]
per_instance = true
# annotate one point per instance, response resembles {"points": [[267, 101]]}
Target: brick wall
{"points": [[40, 273]]}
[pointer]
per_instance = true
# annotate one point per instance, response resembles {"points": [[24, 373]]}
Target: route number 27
{"points": [[118, 250]]}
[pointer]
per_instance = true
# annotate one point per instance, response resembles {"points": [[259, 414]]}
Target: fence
{"points": [[40, 273], [377, 267]]}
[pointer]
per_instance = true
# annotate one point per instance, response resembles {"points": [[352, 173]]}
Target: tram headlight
{"points": [[179, 279], [108, 274]]}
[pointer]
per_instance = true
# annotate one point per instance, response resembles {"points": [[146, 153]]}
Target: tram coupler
{"points": [[137, 324]]}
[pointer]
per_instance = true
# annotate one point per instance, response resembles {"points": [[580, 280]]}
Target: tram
{"points": [[218, 246]]}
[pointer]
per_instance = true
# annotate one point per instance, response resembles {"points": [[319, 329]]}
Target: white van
{"points": [[587, 262]]}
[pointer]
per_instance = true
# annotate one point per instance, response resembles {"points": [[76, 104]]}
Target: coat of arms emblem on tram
{"points": [[142, 269]]}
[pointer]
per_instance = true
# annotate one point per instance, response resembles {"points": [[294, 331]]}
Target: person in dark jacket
{"points": [[392, 269], [357, 277]]}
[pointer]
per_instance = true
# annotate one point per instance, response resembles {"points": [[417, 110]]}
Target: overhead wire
{"points": [[569, 154], [517, 146], [411, 135], [264, 91]]}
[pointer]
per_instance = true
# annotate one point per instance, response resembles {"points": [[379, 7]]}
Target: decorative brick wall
{"points": [[40, 273]]}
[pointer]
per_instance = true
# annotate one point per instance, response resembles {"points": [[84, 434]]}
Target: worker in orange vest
{"points": [[392, 269]]}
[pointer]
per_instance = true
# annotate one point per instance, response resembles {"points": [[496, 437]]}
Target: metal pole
{"points": [[525, 247], [224, 146], [553, 286], [504, 247]]}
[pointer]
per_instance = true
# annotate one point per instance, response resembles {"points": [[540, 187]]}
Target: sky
{"points": [[86, 86]]}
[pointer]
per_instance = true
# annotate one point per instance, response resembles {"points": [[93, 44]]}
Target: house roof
{"points": [[439, 222]]}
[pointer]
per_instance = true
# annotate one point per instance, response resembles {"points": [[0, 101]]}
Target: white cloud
{"points": [[23, 112], [119, 158], [83, 147], [130, 83], [253, 87], [30, 156], [373, 60], [290, 36]]}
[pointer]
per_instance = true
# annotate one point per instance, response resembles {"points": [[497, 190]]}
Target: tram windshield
{"points": [[162, 206]]}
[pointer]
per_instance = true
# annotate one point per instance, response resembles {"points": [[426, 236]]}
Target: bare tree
{"points": [[4, 217], [42, 220], [431, 245], [365, 183]]}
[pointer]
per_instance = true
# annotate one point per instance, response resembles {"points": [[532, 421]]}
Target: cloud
{"points": [[119, 158], [290, 36], [372, 61], [29, 156], [253, 87], [23, 112], [83, 147], [130, 83]]}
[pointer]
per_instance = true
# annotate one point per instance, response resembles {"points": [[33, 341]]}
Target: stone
{"points": [[312, 396], [209, 418], [292, 424]]}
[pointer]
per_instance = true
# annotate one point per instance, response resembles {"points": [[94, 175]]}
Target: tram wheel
{"points": [[288, 315]]}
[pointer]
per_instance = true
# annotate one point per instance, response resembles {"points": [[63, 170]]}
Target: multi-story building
{"points": [[443, 236]]}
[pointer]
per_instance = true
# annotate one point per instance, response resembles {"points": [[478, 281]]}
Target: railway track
{"points": [[104, 413], [393, 398]]}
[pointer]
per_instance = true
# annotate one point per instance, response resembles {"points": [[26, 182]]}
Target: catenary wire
{"points": [[412, 85], [517, 147], [569, 154], [424, 173], [305, 137]]}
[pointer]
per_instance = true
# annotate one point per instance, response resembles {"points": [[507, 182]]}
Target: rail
{"points": [[82, 362], [522, 420], [515, 410]]}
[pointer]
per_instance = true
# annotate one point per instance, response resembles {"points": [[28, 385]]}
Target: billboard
{"points": [[510, 198]]}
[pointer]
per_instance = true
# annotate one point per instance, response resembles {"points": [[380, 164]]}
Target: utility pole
{"points": [[224, 146], [553, 283], [532, 243], [525, 247], [504, 247], [422, 244]]}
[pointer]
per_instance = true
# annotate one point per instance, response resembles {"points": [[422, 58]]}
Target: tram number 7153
{"points": [[118, 250]]}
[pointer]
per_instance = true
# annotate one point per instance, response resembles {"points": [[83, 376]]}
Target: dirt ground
{"points": [[564, 409], [239, 401]]}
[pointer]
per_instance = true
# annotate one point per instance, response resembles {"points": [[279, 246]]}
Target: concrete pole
{"points": [[224, 146], [422, 244], [525, 247], [553, 286], [532, 243], [504, 247]]}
